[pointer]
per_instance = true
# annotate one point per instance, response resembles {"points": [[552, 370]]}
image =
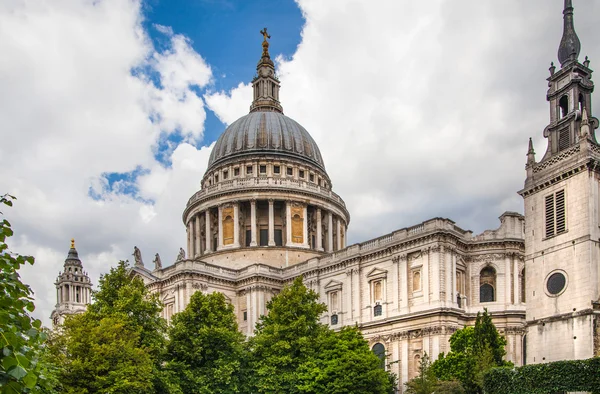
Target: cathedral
{"points": [[266, 213]]}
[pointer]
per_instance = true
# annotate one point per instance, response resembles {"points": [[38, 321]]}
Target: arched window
{"points": [[487, 285], [523, 292], [379, 351], [581, 102], [563, 104]]}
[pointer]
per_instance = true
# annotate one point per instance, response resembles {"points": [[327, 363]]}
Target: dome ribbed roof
{"points": [[263, 132]]}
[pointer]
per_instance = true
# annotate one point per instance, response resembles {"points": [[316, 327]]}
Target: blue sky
{"points": [[226, 34]]}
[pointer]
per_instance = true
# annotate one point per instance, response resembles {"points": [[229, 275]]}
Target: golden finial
{"points": [[72, 243], [265, 43]]}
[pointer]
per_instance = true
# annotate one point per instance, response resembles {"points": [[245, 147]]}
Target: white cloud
{"points": [[78, 100], [230, 106]]}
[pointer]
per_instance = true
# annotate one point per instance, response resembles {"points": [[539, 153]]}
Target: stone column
{"points": [[253, 223], [288, 222], [454, 290], [208, 235], [188, 293], [329, 232], [197, 237], [319, 231], [190, 238], [236, 224], [508, 285], [516, 281], [271, 223], [404, 278], [305, 225], [250, 326], [338, 234], [176, 299], [403, 378], [220, 236]]}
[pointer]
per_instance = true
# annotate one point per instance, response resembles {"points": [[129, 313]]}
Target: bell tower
{"points": [[562, 216], [73, 288]]}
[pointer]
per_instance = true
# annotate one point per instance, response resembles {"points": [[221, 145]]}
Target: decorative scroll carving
{"points": [[488, 257], [200, 286]]}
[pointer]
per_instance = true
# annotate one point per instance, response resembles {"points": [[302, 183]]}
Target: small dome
{"points": [[266, 132]]}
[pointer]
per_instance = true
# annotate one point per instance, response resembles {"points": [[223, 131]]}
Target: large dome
{"points": [[263, 132]]}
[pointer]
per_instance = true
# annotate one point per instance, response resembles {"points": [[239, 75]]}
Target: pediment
{"points": [[377, 273], [333, 285]]}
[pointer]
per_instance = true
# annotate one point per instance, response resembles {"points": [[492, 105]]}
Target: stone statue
{"points": [[137, 255], [181, 255], [157, 262]]}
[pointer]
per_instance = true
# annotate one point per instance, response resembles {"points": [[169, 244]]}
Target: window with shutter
{"points": [[555, 214], [564, 139]]}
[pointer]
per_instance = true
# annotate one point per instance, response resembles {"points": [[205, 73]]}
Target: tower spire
{"points": [[265, 84], [569, 47]]}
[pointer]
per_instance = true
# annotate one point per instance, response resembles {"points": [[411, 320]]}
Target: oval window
{"points": [[556, 283]]}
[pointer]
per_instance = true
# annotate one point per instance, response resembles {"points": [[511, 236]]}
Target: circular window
{"points": [[556, 283]]}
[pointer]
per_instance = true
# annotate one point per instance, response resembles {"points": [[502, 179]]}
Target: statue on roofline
{"points": [[157, 262], [137, 255], [181, 255]]}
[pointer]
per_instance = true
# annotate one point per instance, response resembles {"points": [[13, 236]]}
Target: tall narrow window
{"points": [[564, 106], [555, 214], [377, 290], [379, 351], [487, 285]]}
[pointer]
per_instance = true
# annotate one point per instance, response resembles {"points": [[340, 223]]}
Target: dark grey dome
{"points": [[267, 132]]}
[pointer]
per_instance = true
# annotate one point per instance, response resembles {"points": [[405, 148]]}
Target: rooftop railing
{"points": [[265, 182]]}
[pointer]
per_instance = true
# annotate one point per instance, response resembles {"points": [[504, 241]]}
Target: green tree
{"points": [[120, 294], [343, 364], [118, 344], [22, 366], [205, 352], [473, 352], [103, 356], [425, 382], [292, 352]]}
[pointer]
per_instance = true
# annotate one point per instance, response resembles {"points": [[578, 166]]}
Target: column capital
{"points": [[271, 201]]}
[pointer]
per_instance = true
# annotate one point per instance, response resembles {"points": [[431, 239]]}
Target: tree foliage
{"points": [[427, 383], [22, 367], [102, 356], [474, 351], [205, 352], [549, 378], [118, 344], [292, 352]]}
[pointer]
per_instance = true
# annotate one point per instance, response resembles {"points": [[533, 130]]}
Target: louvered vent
{"points": [[550, 215], [560, 212], [563, 139]]}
